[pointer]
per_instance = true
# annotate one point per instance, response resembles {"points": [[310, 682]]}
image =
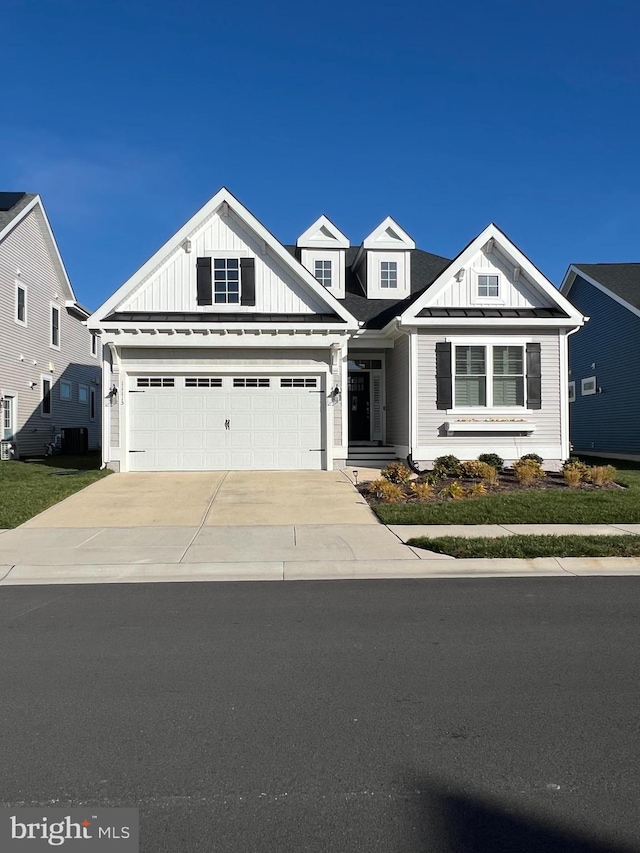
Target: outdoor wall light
{"points": [[113, 393], [334, 395]]}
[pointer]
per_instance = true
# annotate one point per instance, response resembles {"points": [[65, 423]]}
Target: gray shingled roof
{"points": [[621, 279], [11, 204], [376, 313]]}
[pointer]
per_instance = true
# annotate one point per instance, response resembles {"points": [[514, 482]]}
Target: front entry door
{"points": [[359, 407]]}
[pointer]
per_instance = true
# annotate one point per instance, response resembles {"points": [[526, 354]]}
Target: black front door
{"points": [[359, 428]]}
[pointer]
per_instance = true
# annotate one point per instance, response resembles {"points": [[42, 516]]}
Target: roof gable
{"points": [[526, 288], [620, 282], [241, 226], [323, 234], [388, 235]]}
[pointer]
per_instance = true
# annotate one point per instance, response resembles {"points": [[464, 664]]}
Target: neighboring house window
{"points": [[572, 392], [65, 390], [508, 376], [489, 376], [21, 304], [55, 327], [45, 397], [323, 272], [226, 280], [83, 394], [388, 274], [488, 286], [94, 345], [589, 386], [471, 377], [92, 404]]}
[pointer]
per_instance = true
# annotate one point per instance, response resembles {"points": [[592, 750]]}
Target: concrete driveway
{"points": [[237, 498]]}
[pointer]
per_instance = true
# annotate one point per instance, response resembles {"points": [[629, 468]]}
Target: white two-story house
{"points": [[50, 375], [230, 350]]}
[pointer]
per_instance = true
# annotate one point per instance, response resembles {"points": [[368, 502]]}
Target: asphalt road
{"points": [[431, 716]]}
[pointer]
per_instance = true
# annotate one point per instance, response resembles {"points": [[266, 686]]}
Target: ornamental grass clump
{"points": [[396, 472], [601, 475], [476, 470], [423, 492], [573, 475], [528, 472], [454, 491], [385, 491]]}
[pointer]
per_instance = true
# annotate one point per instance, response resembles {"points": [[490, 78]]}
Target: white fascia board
{"points": [[519, 259], [373, 241], [248, 219], [306, 240], [278, 340], [49, 239], [481, 322], [574, 271]]}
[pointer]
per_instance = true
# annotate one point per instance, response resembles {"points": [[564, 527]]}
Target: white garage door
{"points": [[214, 423]]}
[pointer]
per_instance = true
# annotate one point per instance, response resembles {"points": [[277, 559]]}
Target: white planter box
{"points": [[488, 426]]}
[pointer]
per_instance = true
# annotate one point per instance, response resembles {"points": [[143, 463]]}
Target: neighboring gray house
{"points": [[49, 361], [228, 350]]}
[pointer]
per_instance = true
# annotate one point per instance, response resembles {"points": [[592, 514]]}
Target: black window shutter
{"points": [[444, 399], [534, 377], [247, 281], [203, 281]]}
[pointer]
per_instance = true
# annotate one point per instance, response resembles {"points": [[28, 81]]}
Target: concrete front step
{"points": [[370, 455]]}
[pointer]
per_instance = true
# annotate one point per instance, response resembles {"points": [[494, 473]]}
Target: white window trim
{"points": [[323, 261], [572, 392], [86, 388], [46, 377], [488, 344], [70, 386], [93, 399], [594, 390], [55, 305], [397, 270], [494, 300], [22, 286], [93, 343]]}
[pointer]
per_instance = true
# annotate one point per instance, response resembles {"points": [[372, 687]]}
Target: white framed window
{"points": [[489, 376], [83, 394], [94, 345], [21, 303], [92, 404], [588, 386], [323, 271], [488, 286], [54, 327], [572, 392], [226, 281], [388, 274], [65, 390], [45, 396]]}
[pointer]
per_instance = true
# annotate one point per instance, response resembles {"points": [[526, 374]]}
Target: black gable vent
{"points": [[9, 200]]}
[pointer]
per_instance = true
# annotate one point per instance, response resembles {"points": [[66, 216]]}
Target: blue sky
{"points": [[127, 115]]}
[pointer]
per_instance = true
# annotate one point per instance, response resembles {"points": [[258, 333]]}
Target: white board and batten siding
{"points": [[545, 440], [25, 352], [172, 286], [221, 418], [462, 290]]}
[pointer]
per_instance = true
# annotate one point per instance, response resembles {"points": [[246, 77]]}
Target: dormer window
{"points": [[389, 274], [323, 272], [488, 286], [226, 280]]}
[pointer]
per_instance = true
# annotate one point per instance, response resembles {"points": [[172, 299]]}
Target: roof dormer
{"points": [[383, 263], [323, 249]]}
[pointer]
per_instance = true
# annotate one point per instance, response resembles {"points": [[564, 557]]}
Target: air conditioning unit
{"points": [[7, 451]]}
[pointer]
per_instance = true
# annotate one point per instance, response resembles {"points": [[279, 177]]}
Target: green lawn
{"points": [[27, 488], [542, 507], [532, 546]]}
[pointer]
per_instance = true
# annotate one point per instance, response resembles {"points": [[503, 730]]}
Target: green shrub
{"points": [[532, 457], [477, 470], [492, 459], [385, 491], [446, 466], [396, 472]]}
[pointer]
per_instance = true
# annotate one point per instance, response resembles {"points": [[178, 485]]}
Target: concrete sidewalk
{"points": [[412, 531]]}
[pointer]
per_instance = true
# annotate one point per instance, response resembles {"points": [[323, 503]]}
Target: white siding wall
{"points": [[172, 287], [546, 440], [24, 249], [463, 293], [397, 392]]}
